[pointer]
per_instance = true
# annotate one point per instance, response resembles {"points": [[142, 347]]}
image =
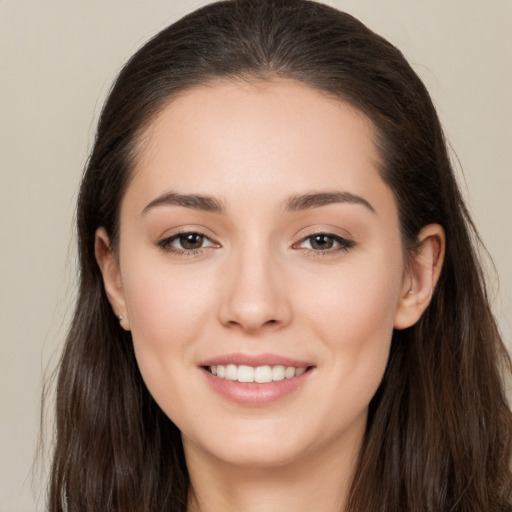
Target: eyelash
{"points": [[165, 244], [343, 244]]}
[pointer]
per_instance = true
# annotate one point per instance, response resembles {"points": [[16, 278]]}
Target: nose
{"points": [[255, 295]]}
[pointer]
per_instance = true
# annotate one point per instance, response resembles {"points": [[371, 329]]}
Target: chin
{"points": [[255, 448], [259, 456]]}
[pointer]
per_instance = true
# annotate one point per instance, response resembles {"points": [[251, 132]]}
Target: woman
{"points": [[280, 304]]}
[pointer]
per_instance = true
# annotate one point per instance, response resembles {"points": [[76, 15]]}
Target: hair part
{"points": [[439, 429]]}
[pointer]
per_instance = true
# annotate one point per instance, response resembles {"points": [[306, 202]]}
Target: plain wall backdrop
{"points": [[58, 59]]}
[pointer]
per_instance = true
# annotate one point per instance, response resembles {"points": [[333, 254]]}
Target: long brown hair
{"points": [[439, 430]]}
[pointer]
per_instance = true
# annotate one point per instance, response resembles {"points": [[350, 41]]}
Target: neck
{"points": [[318, 481]]}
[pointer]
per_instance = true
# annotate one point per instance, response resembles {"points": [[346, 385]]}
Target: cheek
{"points": [[162, 298], [167, 310], [357, 298], [354, 318]]}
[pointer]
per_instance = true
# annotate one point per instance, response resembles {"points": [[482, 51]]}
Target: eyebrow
{"points": [[293, 204], [196, 202], [315, 200]]}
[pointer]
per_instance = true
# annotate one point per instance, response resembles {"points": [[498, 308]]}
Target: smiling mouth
{"points": [[257, 374]]}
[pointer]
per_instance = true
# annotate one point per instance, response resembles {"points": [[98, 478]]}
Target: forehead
{"points": [[250, 138]]}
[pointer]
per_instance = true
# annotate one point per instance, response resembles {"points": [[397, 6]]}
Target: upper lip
{"points": [[255, 360]]}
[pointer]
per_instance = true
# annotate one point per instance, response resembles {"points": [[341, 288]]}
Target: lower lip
{"points": [[253, 394]]}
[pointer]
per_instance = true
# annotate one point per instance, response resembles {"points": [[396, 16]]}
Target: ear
{"points": [[111, 276], [422, 274]]}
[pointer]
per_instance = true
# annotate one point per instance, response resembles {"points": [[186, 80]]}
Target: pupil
{"points": [[191, 241], [322, 242]]}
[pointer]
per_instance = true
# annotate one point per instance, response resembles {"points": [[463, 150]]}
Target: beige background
{"points": [[58, 59]]}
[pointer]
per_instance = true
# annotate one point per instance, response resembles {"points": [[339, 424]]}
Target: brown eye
{"points": [[325, 242], [190, 241], [321, 242], [182, 243]]}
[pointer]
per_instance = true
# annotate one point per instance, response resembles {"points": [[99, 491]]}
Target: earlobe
{"points": [[111, 276], [423, 272]]}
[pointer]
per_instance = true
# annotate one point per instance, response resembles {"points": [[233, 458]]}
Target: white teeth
{"points": [[245, 373], [231, 372], [263, 374], [259, 374], [289, 372], [278, 372]]}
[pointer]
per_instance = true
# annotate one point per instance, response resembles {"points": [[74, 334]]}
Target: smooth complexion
{"points": [[257, 231]]}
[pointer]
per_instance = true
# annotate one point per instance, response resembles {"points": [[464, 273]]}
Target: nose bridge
{"points": [[254, 295]]}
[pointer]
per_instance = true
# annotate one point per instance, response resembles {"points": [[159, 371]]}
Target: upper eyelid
{"points": [[320, 228], [327, 232], [176, 235], [187, 230], [338, 238]]}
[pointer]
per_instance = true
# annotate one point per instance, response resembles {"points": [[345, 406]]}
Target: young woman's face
{"points": [[258, 242]]}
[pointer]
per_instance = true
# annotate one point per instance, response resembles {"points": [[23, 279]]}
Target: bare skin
{"points": [[257, 232]]}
